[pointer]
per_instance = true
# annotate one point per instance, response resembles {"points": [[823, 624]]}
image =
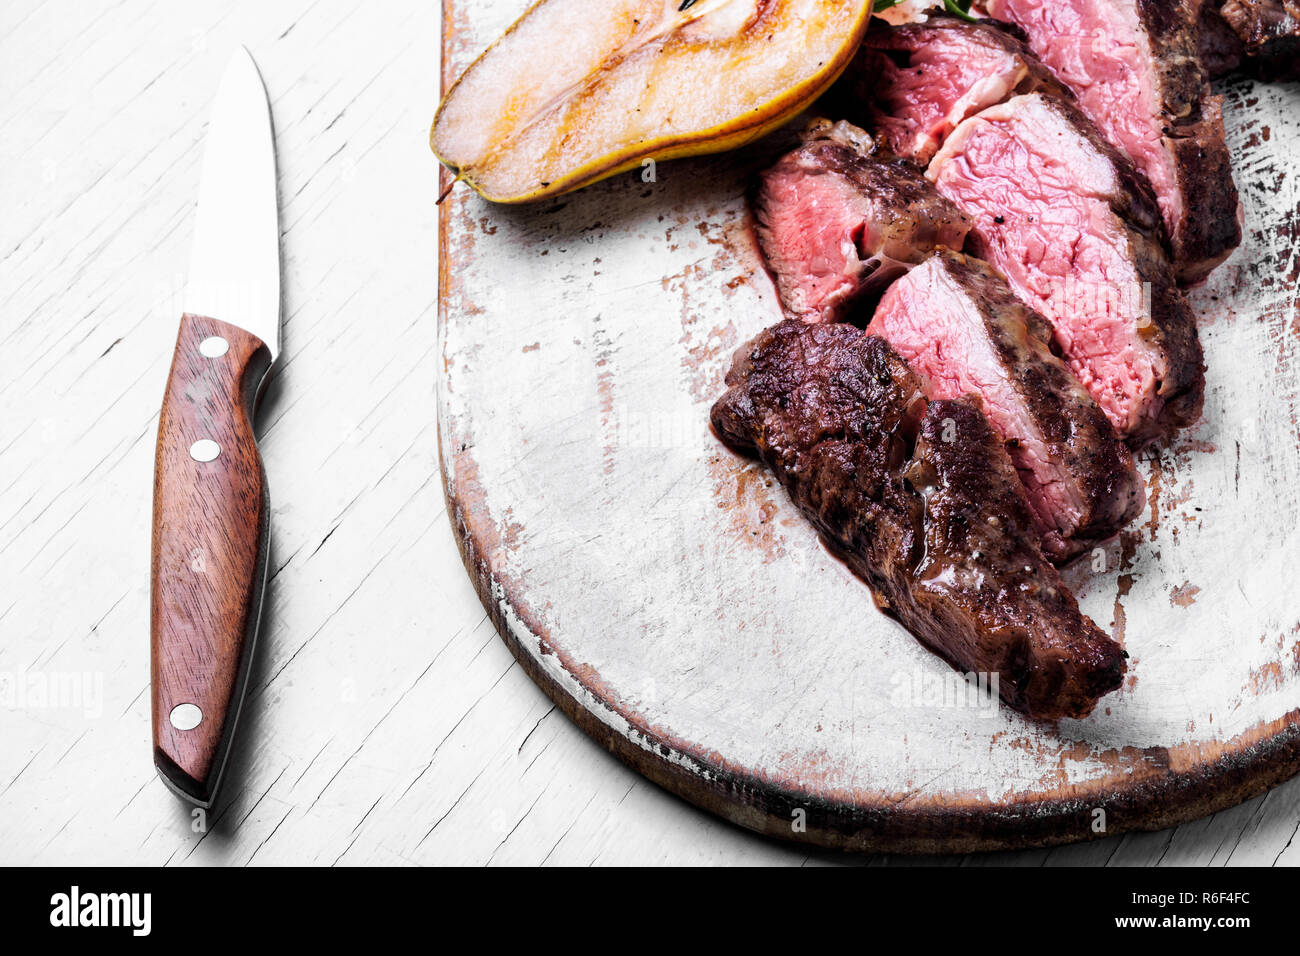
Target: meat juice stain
{"points": [[1128, 542], [1155, 482], [746, 493], [1264, 678]]}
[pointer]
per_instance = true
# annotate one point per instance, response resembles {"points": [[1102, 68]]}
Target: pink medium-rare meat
{"points": [[1077, 233], [1135, 69], [963, 331], [910, 84], [922, 502], [837, 224]]}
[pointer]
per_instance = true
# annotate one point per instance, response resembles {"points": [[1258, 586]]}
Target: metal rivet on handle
{"points": [[205, 449], [186, 716], [214, 346]]}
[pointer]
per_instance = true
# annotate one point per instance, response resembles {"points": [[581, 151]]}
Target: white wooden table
{"points": [[386, 722]]}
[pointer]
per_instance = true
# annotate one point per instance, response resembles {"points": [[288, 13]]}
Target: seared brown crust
{"points": [[923, 503], [1219, 48], [881, 174], [1075, 430], [1173, 331], [1211, 225], [1057, 661], [1269, 33], [1193, 116], [907, 218], [1209, 228]]}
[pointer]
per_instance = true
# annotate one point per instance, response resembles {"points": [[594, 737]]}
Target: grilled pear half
{"points": [[577, 90]]}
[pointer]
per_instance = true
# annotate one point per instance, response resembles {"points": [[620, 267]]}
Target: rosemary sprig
{"points": [[959, 8]]}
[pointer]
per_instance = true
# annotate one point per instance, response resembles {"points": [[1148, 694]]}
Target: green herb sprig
{"points": [[959, 8]]}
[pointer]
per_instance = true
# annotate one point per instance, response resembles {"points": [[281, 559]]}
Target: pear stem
{"points": [[447, 191]]}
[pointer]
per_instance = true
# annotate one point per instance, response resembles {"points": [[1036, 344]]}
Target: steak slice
{"points": [[1219, 48], [837, 224], [1269, 31], [963, 331], [1077, 233], [910, 84], [1134, 66], [922, 503]]}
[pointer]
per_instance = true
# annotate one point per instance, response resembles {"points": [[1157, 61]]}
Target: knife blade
{"points": [[210, 507]]}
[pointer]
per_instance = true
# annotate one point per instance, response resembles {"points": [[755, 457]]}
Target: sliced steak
{"points": [[1219, 48], [837, 224], [1076, 231], [922, 503], [1269, 31], [963, 331], [910, 84], [1134, 67]]}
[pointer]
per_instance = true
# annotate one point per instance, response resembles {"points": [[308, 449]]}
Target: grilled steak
{"points": [[1134, 67], [837, 225], [962, 330], [1269, 31], [910, 84], [921, 502], [1219, 48], [1076, 231]]}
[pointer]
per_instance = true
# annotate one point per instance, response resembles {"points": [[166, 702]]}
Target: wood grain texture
{"points": [[671, 600], [209, 550], [385, 721]]}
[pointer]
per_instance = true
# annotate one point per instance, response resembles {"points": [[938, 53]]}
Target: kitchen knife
{"points": [[210, 500]]}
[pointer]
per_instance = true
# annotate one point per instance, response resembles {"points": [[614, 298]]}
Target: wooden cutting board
{"points": [[668, 596]]}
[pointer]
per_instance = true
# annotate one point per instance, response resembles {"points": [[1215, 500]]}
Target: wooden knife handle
{"points": [[209, 550]]}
